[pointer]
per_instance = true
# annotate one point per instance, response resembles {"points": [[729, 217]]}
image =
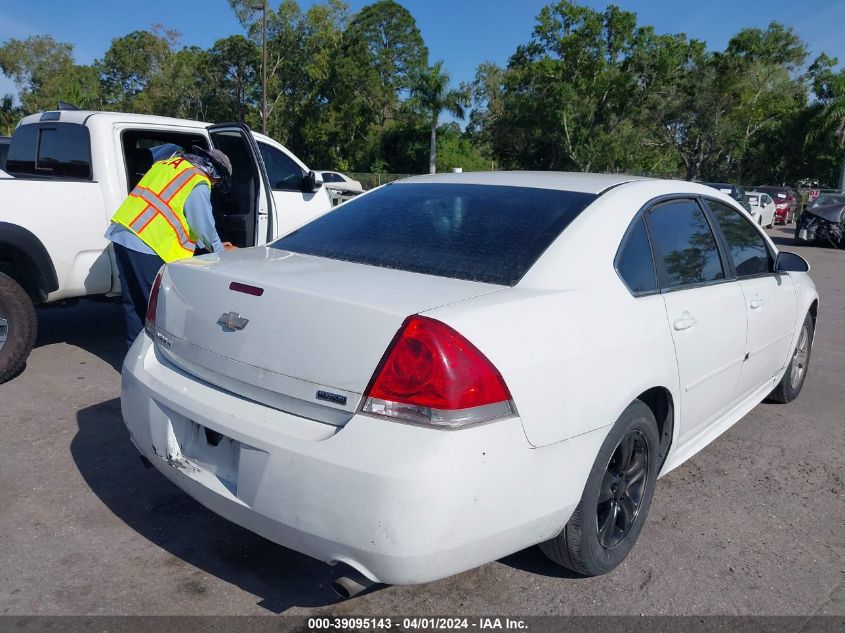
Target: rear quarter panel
{"points": [[572, 343]]}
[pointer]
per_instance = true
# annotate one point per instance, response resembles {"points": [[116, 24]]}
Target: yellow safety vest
{"points": [[155, 209]]}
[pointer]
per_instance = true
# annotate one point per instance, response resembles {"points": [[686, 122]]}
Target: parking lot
{"points": [[752, 525]]}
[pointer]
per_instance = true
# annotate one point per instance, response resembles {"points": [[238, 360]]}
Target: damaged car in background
{"points": [[823, 222]]}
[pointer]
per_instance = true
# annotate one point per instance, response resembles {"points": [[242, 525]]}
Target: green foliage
{"points": [[44, 73], [9, 115], [590, 90], [129, 68], [234, 69], [455, 149]]}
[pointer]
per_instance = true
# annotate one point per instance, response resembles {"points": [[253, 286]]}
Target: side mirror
{"points": [[790, 263], [311, 182]]}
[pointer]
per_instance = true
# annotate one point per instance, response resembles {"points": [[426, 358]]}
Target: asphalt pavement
{"points": [[753, 525]]}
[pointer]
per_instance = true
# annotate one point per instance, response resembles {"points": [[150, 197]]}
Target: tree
{"points": [[432, 95], [826, 116], [565, 94], [44, 72], [486, 93], [382, 53], [455, 149], [234, 64], [129, 68], [759, 69], [9, 115]]}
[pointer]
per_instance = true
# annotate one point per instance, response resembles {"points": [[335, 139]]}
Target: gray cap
{"points": [[219, 161]]}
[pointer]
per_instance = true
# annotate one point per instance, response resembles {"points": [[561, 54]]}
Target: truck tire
{"points": [[18, 327]]}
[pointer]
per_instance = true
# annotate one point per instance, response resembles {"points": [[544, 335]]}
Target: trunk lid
{"points": [[311, 340]]}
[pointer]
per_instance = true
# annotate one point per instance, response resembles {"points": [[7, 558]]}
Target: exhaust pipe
{"points": [[353, 584]]}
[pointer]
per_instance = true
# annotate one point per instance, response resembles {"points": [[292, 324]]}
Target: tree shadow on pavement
{"points": [[95, 326], [164, 515]]}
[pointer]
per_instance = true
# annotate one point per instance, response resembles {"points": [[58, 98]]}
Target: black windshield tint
{"points": [[475, 232]]}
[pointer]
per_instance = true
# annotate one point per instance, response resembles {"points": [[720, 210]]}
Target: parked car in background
{"points": [[70, 171], [341, 182], [762, 208], [734, 191], [786, 202], [823, 221], [340, 186], [434, 376]]}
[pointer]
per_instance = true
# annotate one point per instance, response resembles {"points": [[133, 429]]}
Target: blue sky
{"points": [[463, 33]]}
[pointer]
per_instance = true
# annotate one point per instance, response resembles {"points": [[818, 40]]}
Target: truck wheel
{"points": [[18, 327]]}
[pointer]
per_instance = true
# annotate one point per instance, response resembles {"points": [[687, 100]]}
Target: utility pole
{"points": [[263, 8], [264, 69]]}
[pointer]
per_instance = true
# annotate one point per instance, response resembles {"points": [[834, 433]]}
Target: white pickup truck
{"points": [[68, 170]]}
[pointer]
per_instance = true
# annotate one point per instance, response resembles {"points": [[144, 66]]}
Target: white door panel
{"points": [[771, 323], [708, 326], [293, 209]]}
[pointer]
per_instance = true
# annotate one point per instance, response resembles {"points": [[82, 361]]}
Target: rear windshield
{"points": [[481, 233]]}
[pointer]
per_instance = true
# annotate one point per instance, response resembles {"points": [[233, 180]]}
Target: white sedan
{"points": [[449, 369], [762, 208], [341, 182]]}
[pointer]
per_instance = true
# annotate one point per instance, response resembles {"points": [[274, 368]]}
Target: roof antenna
{"points": [[64, 105]]}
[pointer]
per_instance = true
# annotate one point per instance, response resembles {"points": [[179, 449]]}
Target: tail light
{"points": [[432, 375], [152, 305]]}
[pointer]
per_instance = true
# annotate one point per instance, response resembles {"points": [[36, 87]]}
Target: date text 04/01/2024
{"points": [[417, 623]]}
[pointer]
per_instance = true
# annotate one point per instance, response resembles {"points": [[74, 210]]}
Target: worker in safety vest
{"points": [[162, 220]]}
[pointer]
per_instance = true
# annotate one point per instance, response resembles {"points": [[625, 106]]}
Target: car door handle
{"points": [[757, 303], [684, 323]]}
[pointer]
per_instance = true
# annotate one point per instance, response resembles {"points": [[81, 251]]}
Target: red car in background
{"points": [[786, 202]]}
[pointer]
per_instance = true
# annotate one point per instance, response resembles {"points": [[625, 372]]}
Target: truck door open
{"points": [[243, 213]]}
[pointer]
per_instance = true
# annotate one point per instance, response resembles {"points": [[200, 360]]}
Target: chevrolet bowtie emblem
{"points": [[232, 321]]}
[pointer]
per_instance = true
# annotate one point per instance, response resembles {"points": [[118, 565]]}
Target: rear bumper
{"points": [[400, 503]]}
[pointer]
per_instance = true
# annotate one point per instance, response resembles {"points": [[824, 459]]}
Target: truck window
{"points": [[142, 148], [51, 150], [284, 174]]}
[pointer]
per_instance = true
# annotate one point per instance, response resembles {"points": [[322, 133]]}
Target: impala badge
{"points": [[232, 321]]}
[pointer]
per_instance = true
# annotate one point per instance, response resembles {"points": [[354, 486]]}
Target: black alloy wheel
{"points": [[614, 505], [623, 489]]}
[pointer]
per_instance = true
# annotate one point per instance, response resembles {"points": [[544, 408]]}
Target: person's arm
{"points": [[200, 218]]}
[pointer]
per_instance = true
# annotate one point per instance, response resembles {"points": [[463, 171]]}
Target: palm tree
{"points": [[9, 115], [432, 94], [829, 118]]}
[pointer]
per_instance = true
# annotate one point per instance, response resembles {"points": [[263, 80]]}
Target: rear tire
{"points": [[607, 521], [796, 372], [18, 327]]}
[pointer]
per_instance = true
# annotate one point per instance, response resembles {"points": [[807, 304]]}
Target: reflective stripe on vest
{"points": [[154, 210]]}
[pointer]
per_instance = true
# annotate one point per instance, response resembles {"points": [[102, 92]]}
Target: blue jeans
{"points": [[137, 273]]}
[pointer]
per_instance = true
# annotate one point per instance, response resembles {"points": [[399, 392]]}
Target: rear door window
{"points": [[685, 247], [748, 249], [492, 234], [51, 150]]}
